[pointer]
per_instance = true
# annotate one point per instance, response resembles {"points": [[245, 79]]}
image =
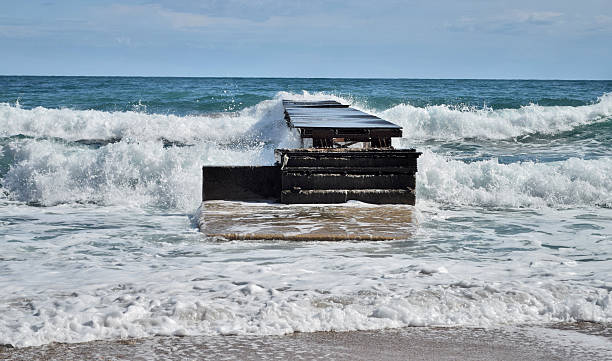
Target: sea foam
{"points": [[147, 173], [139, 169], [258, 123], [396, 293], [524, 184], [84, 272], [442, 122], [446, 122]]}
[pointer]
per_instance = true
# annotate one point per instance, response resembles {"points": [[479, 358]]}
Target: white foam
{"points": [[76, 272], [430, 122], [445, 122], [143, 173], [272, 299], [525, 184], [137, 170], [262, 122]]}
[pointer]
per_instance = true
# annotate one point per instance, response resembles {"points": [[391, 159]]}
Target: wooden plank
{"points": [[331, 114], [373, 196], [313, 104], [313, 181], [347, 158], [340, 123], [353, 170], [351, 134], [338, 175]]}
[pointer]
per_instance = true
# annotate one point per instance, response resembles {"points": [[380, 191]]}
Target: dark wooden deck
{"points": [[328, 122]]}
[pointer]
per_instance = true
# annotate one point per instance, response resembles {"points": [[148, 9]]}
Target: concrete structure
{"points": [[305, 222], [333, 170]]}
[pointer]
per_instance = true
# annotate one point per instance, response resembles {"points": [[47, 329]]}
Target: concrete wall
{"points": [[241, 183], [383, 176]]}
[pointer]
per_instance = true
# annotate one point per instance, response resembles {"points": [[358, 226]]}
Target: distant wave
{"points": [[262, 122], [265, 121], [446, 122]]}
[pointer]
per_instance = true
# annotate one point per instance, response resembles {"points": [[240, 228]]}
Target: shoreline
{"points": [[580, 341]]}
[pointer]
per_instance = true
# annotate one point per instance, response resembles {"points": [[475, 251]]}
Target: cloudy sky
{"points": [[541, 39]]}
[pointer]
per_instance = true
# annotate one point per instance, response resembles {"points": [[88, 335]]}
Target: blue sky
{"points": [[532, 39]]}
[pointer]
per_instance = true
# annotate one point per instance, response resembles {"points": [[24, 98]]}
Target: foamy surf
{"points": [[139, 168], [215, 293], [444, 122], [99, 240], [488, 183], [263, 122], [448, 122], [149, 174]]}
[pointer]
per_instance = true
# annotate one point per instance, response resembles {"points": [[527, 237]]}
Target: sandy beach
{"points": [[583, 341]]}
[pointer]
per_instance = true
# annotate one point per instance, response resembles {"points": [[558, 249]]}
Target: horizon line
{"points": [[297, 77]]}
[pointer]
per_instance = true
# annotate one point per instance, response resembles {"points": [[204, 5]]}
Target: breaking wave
{"points": [[41, 164], [446, 122], [443, 122], [263, 122], [49, 159], [525, 184]]}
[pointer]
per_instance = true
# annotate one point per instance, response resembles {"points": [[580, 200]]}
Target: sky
{"points": [[494, 39]]}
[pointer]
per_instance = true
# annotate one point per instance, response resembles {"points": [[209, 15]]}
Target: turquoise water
{"points": [[183, 96], [100, 185]]}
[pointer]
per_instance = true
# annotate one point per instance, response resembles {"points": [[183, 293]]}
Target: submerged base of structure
{"points": [[337, 175], [228, 220]]}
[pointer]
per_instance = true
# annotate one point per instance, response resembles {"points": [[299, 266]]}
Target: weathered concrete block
{"points": [[320, 176], [241, 183]]}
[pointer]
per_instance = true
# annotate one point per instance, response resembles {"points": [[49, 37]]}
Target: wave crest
{"points": [[441, 122], [446, 122], [262, 122], [527, 184]]}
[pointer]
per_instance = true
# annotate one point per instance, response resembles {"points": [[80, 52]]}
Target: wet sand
{"points": [[562, 342]]}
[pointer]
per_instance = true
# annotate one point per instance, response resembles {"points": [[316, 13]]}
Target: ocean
{"points": [[100, 188]]}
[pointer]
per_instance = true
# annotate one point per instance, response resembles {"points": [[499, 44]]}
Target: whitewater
{"points": [[98, 208]]}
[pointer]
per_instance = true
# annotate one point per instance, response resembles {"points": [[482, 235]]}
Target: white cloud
{"points": [[509, 23], [30, 28], [141, 21], [18, 31], [154, 13], [123, 40], [540, 18]]}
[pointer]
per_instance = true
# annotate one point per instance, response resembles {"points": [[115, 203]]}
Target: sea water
{"points": [[100, 184]]}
